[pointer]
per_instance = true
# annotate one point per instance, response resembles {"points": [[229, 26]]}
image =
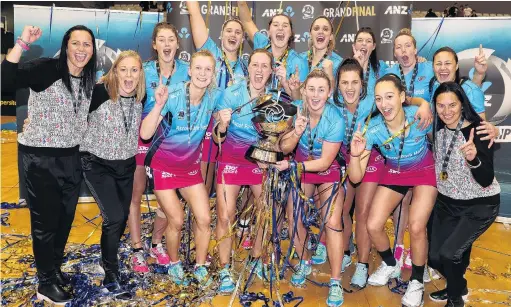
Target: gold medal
{"points": [[229, 83], [444, 175]]}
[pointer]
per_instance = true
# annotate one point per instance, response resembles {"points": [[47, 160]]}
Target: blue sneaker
{"points": [[335, 295], [202, 275], [320, 255], [359, 279], [302, 269], [346, 262], [177, 274], [226, 282]]}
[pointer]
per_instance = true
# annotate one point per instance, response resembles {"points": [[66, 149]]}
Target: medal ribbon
{"points": [[409, 93], [283, 60], [230, 69], [443, 174], [309, 60], [159, 72], [129, 119], [402, 140]]}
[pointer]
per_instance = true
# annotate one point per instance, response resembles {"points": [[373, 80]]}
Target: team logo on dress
{"points": [[181, 115], [193, 173], [257, 171], [386, 36], [230, 169], [184, 56], [418, 139], [308, 11], [378, 158], [421, 78], [371, 169], [154, 85], [183, 8], [167, 175], [327, 172], [142, 149], [387, 146]]}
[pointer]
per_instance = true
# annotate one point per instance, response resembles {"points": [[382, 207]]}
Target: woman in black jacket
{"points": [[60, 95], [468, 193]]}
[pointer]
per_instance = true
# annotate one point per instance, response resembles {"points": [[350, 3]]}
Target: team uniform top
{"points": [[181, 148], [241, 132], [421, 84], [332, 56], [152, 80], [330, 128], [293, 58], [365, 108], [239, 67], [474, 93], [112, 131], [415, 149], [374, 76]]}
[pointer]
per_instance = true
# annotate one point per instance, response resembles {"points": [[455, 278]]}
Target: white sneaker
{"points": [[434, 274], [414, 296], [383, 273], [426, 276]]}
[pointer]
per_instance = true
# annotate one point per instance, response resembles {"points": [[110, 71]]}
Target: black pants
{"points": [[53, 185], [111, 184], [454, 228]]}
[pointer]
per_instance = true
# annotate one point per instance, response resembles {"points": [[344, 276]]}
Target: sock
{"points": [[135, 250], [365, 264], [347, 253], [388, 257], [417, 273]]}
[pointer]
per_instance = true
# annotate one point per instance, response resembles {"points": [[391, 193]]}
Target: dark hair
{"points": [[396, 81], [349, 64], [291, 40], [457, 78], [162, 26], [373, 58], [331, 43], [233, 19], [467, 111], [89, 71]]}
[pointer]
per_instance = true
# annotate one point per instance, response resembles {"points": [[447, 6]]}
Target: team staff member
{"points": [[60, 94]]}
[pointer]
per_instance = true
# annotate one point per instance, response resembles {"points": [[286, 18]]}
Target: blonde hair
{"points": [[406, 32], [206, 53], [331, 43], [317, 73], [111, 82]]}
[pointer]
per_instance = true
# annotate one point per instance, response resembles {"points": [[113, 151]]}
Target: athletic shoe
{"points": [[455, 302], [399, 254], [335, 295], [302, 269], [359, 279], [202, 275], [138, 263], [346, 262], [408, 261], [414, 295], [160, 254], [320, 254], [426, 276], [226, 282], [441, 295], [383, 274], [262, 270], [177, 274]]}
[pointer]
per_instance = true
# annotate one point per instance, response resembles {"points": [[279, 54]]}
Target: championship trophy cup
{"points": [[273, 117]]}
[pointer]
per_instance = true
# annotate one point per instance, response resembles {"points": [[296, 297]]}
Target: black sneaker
{"points": [[441, 295], [62, 279], [113, 285], [53, 294], [455, 302]]}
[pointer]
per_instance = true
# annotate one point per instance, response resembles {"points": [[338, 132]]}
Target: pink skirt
{"points": [[177, 179], [375, 169], [332, 174], [239, 174], [423, 174]]}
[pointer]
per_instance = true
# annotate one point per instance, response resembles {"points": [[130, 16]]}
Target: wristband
{"points": [[355, 156], [474, 166], [22, 44]]}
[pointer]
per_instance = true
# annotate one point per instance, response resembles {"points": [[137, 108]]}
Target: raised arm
{"points": [[289, 141], [200, 31], [246, 18], [153, 119], [359, 157]]}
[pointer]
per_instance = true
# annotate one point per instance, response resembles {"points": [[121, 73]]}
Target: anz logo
{"points": [[397, 10], [184, 33], [304, 38], [272, 12], [289, 11], [347, 38]]}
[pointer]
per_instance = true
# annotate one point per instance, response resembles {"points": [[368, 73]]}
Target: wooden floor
{"points": [[489, 278]]}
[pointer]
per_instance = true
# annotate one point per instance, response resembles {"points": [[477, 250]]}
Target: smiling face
{"points": [[202, 69], [364, 43], [317, 91], [259, 70], [445, 66], [448, 108], [321, 33], [350, 85], [128, 76], [79, 49], [389, 100], [232, 36], [405, 51], [166, 45], [280, 31]]}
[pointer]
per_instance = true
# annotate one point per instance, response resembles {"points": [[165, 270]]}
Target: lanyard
{"points": [[409, 93], [309, 60], [129, 119], [443, 173], [159, 73]]}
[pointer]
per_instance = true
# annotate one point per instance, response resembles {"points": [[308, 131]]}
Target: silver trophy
{"points": [[273, 117]]}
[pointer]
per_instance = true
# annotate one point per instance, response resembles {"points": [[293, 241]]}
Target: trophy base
{"points": [[258, 154]]}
